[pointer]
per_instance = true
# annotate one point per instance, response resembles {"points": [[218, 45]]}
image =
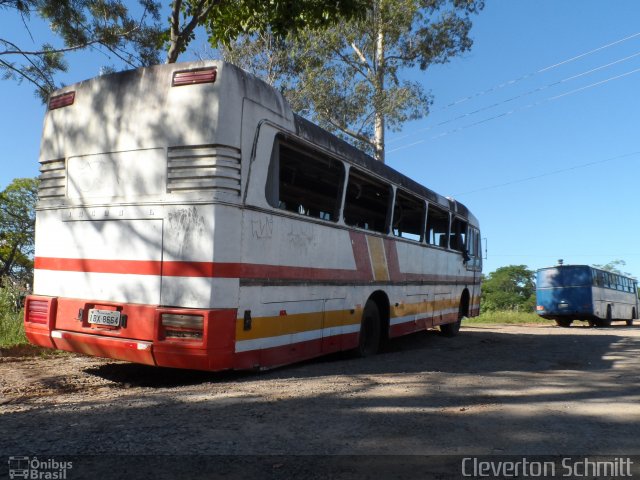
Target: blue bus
{"points": [[565, 293]]}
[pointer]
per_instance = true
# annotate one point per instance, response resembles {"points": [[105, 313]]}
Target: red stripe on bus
{"points": [[361, 256], [136, 267], [391, 252], [231, 270], [193, 269]]}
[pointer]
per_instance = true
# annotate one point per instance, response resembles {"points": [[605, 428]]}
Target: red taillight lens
{"points": [[63, 100], [539, 308], [182, 326], [190, 77], [37, 311]]}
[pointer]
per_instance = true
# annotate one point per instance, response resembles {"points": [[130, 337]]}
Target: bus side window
{"points": [[304, 182], [367, 203], [437, 226], [458, 238], [408, 216], [471, 243]]}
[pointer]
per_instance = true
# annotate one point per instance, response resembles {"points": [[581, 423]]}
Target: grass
{"points": [[11, 329], [507, 317], [11, 326]]}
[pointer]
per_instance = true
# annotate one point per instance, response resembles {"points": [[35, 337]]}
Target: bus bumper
{"points": [[56, 323]]}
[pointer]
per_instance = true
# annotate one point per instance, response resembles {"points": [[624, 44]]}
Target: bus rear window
{"points": [[303, 182], [564, 277], [367, 202]]}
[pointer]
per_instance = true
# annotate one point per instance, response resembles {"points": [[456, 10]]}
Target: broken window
{"points": [[304, 182], [458, 240], [367, 202], [437, 226], [408, 216]]}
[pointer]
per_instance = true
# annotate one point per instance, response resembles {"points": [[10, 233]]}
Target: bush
{"points": [[11, 325]]}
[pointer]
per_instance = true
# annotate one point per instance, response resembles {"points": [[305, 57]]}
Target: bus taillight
{"points": [[182, 326], [63, 100], [37, 311], [191, 77]]}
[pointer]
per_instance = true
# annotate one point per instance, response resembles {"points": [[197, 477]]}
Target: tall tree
{"points": [[225, 20], [17, 224], [132, 40], [348, 77], [509, 288]]}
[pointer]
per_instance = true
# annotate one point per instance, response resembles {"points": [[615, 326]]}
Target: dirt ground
{"points": [[492, 390]]}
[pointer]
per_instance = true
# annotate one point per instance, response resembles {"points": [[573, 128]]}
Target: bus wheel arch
{"points": [[374, 326], [452, 329]]}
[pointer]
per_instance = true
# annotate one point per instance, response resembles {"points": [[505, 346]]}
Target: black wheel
{"points": [[564, 322], [452, 329], [369, 342], [633, 316], [606, 322]]}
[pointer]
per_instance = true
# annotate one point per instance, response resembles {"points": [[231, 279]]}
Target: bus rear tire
{"points": [[369, 341], [606, 322], [563, 322]]}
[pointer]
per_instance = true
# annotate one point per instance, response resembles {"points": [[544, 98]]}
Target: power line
{"points": [[510, 112], [547, 174], [537, 72], [517, 97]]}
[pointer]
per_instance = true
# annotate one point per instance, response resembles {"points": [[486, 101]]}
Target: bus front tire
{"points": [[563, 322], [452, 329], [369, 341]]}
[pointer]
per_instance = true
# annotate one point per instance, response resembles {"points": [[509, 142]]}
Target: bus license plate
{"points": [[109, 318]]}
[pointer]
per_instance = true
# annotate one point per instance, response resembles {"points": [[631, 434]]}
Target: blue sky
{"points": [[549, 162]]}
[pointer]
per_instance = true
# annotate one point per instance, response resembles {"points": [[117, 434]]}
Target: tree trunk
{"points": [[174, 32], [379, 86]]}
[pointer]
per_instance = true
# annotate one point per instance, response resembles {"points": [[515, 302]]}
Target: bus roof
{"points": [[588, 267]]}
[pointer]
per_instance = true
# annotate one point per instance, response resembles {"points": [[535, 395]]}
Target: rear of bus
{"points": [[138, 218], [564, 293]]}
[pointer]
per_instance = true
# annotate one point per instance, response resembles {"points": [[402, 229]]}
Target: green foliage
{"points": [[11, 324], [614, 266], [107, 25], [509, 288], [17, 225], [506, 317], [347, 76], [225, 20]]}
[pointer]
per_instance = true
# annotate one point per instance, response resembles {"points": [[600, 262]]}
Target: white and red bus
{"points": [[187, 218]]}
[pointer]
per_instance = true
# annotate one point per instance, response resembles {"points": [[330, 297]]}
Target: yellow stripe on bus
{"points": [[263, 327], [378, 259]]}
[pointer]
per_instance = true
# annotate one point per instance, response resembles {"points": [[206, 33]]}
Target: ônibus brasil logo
{"points": [[36, 469]]}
